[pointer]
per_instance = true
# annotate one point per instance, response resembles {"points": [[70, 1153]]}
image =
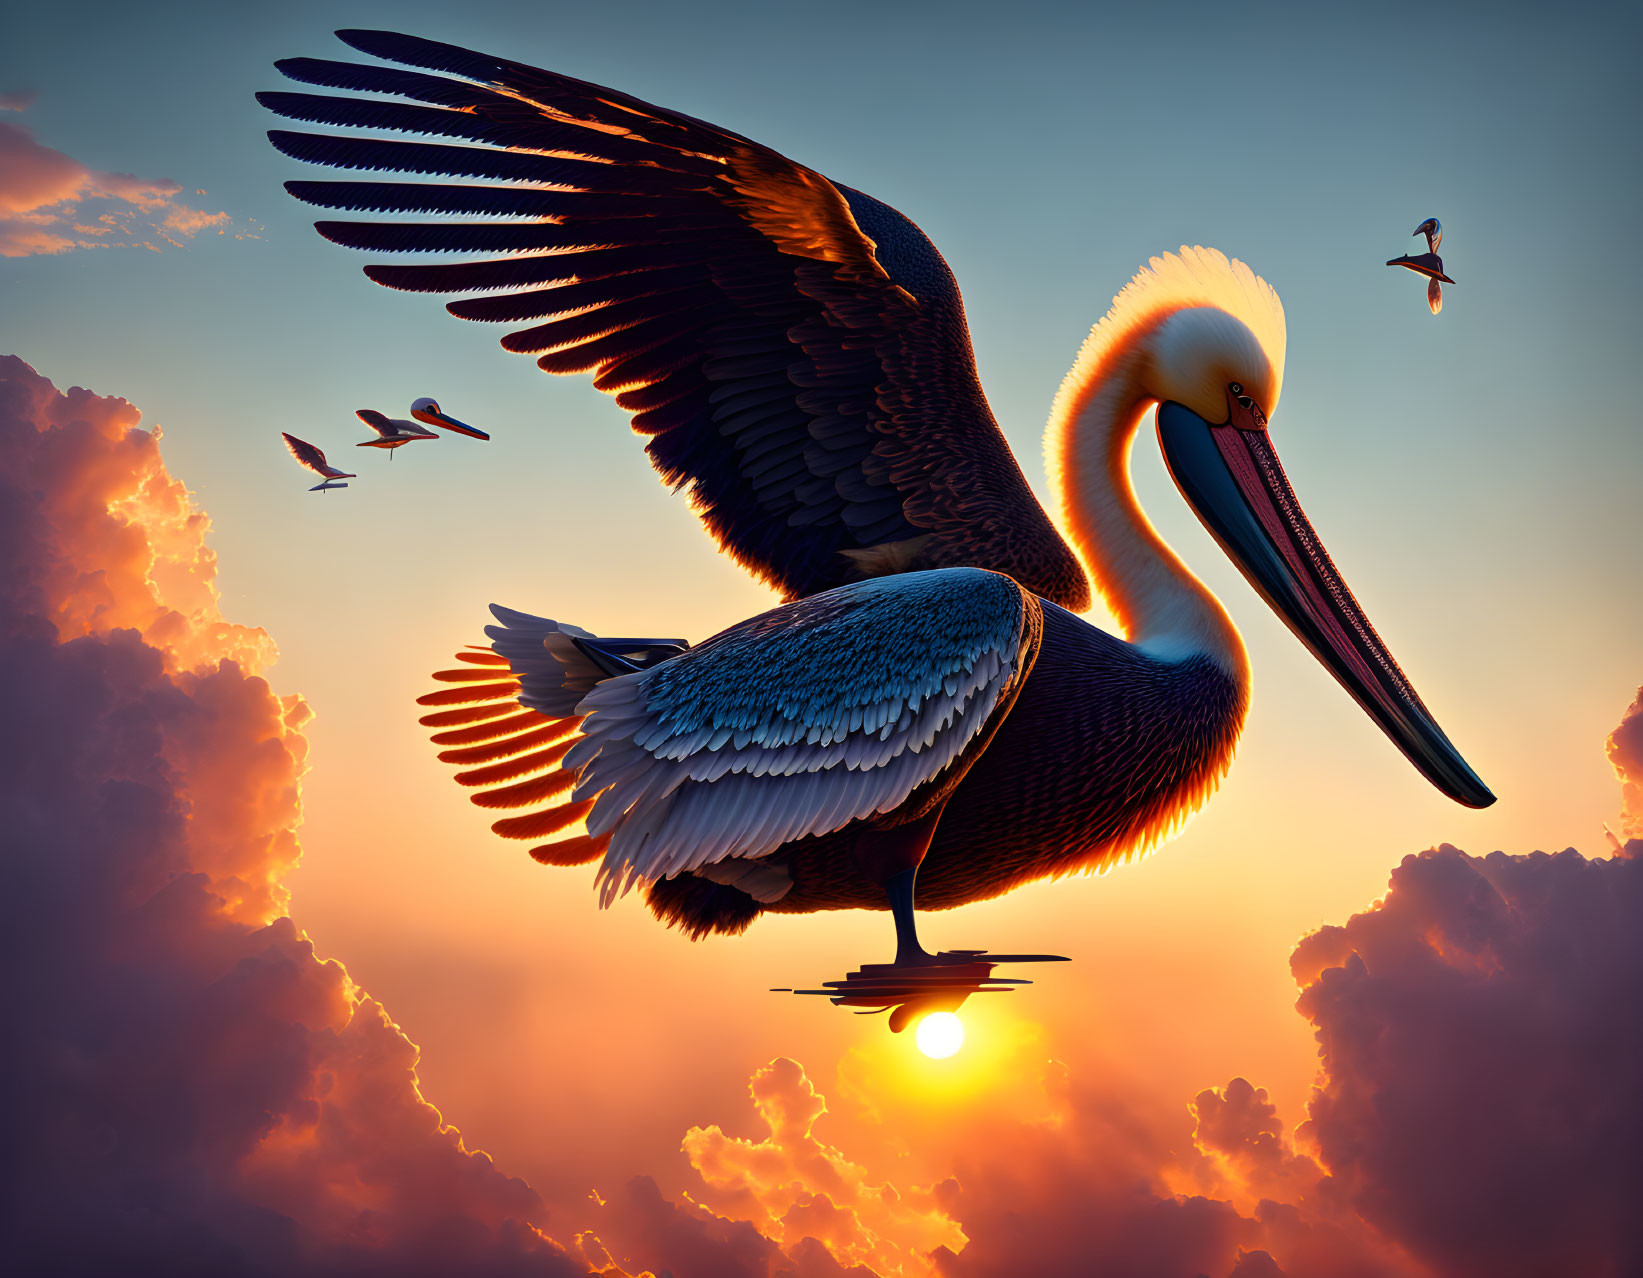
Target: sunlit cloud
{"points": [[794, 1185], [51, 203], [191, 1089], [1626, 753], [1479, 1035]]}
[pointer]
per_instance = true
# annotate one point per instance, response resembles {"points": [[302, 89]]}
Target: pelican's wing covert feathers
{"points": [[797, 722]]}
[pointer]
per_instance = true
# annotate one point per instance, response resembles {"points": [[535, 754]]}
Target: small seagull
{"points": [[392, 432], [1428, 263], [427, 410], [314, 460]]}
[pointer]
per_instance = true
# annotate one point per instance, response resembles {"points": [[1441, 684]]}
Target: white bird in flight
{"points": [[314, 460], [392, 432]]}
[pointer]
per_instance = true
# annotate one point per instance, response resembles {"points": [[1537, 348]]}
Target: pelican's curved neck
{"points": [[1164, 609]]}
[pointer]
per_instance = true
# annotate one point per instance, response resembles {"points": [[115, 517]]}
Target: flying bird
{"points": [[392, 432], [925, 717], [1428, 263], [427, 410], [314, 460]]}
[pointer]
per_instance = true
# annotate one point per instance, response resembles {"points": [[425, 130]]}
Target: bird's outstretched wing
{"points": [[308, 455], [796, 350]]}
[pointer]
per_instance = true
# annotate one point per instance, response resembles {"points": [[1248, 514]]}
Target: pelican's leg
{"points": [[900, 891], [891, 856]]}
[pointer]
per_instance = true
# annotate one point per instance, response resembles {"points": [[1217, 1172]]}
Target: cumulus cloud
{"points": [[1626, 753], [1481, 1047], [190, 1089], [794, 1186], [51, 203]]}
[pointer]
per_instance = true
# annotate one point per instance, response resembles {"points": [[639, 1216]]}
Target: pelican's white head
{"points": [[1185, 328], [424, 405]]}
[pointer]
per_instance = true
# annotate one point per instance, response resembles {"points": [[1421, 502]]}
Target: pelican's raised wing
{"points": [[311, 457], [797, 722], [796, 350]]}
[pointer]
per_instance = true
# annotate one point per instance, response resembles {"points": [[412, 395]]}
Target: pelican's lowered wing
{"points": [[797, 722]]}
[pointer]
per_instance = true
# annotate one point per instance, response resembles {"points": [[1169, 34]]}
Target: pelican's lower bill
{"points": [[1231, 477]]}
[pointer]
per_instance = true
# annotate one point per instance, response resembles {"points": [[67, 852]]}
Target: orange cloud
{"points": [[1626, 753], [51, 203], [794, 1186], [191, 1089]]}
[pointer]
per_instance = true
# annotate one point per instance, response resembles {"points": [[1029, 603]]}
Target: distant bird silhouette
{"points": [[427, 410], [926, 703], [314, 460], [392, 432], [1428, 263]]}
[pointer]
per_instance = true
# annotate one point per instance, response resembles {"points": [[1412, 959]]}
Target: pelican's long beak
{"points": [[449, 423], [1233, 481]]}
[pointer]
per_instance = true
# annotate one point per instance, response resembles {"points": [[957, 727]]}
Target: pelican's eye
{"points": [[1244, 412]]}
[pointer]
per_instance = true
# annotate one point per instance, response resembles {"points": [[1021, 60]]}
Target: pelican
{"points": [[1428, 263], [314, 460], [392, 432], [427, 410], [924, 709]]}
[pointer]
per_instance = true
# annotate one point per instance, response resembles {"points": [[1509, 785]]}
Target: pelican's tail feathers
{"points": [[507, 717], [557, 664]]}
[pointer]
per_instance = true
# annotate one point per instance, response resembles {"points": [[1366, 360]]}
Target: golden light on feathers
{"points": [[1185, 326], [1193, 277]]}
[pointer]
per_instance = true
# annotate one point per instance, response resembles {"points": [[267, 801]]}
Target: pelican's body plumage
{"points": [[924, 704]]}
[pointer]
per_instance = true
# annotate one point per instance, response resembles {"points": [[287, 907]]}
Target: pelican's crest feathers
{"points": [[1194, 277]]}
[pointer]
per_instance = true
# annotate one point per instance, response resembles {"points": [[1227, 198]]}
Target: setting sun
{"points": [[940, 1035]]}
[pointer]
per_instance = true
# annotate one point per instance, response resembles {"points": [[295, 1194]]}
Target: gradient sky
{"points": [[1475, 476]]}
